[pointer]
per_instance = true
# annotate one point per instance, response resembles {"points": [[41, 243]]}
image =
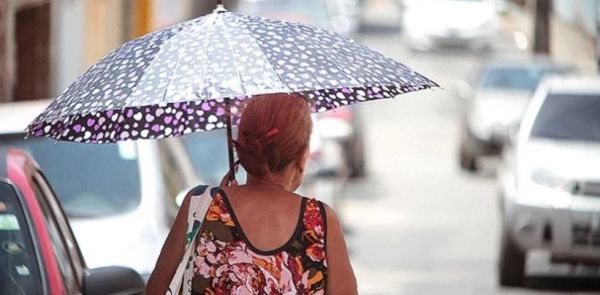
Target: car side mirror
{"points": [[463, 91], [112, 280]]}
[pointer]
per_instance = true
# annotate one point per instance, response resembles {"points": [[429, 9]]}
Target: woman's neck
{"points": [[274, 182]]}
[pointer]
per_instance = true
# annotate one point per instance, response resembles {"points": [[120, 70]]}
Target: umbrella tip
{"points": [[220, 7]]}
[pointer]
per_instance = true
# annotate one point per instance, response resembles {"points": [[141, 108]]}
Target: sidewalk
{"points": [[569, 44]]}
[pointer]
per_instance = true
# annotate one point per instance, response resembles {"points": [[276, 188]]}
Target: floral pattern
{"points": [[225, 261]]}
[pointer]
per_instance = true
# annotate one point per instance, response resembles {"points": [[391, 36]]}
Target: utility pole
{"points": [[7, 50], [541, 34]]}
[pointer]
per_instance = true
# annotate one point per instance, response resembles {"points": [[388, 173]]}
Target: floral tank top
{"points": [[227, 263]]}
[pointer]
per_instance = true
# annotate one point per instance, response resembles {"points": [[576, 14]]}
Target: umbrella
{"points": [[196, 76]]}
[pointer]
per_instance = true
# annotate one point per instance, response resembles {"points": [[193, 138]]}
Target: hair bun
{"points": [[261, 147]]}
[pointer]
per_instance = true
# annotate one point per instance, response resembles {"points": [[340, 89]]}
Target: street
{"points": [[417, 224], [426, 216]]}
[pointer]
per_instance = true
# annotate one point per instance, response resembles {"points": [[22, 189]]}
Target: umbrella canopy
{"points": [[185, 78]]}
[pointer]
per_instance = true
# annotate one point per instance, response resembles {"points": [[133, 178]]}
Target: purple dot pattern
{"points": [[175, 81]]}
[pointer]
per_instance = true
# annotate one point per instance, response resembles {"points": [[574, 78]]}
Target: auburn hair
{"points": [[274, 130]]}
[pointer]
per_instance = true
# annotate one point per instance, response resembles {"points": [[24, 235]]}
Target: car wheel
{"points": [[354, 156], [468, 161], [511, 265]]}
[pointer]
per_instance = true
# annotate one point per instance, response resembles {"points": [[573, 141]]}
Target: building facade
{"points": [[46, 44]]}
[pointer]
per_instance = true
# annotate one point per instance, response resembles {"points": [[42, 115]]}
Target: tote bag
{"points": [[182, 279]]}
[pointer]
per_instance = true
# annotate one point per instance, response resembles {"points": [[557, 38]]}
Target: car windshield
{"points": [[521, 78], [19, 270], [569, 117], [90, 180], [208, 153]]}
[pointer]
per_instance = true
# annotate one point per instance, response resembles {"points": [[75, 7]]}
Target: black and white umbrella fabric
{"points": [[185, 78]]}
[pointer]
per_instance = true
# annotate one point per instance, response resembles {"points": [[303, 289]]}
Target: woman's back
{"points": [[261, 238], [261, 241]]}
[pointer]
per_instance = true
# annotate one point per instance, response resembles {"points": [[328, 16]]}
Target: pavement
{"points": [[417, 224]]}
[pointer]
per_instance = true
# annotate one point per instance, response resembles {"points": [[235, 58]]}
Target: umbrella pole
{"points": [[229, 139]]}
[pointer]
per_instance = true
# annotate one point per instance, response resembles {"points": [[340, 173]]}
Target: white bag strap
{"points": [[199, 203]]}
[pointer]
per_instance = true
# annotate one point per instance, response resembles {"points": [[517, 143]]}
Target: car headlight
{"points": [[551, 180]]}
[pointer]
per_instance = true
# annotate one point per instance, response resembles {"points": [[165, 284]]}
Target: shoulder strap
{"points": [[199, 203], [315, 215]]}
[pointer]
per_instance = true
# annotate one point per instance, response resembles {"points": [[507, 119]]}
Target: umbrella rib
{"points": [[117, 55], [235, 63], [179, 55], [270, 62], [206, 37], [350, 78]]}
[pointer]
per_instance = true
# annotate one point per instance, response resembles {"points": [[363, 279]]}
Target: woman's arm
{"points": [[171, 253], [340, 277]]}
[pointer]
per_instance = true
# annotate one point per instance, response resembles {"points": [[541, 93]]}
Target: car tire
{"points": [[354, 157], [468, 160], [511, 264]]}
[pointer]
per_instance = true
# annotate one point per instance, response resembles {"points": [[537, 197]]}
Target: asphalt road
{"points": [[417, 224]]}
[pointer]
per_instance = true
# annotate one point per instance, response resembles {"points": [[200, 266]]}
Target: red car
{"points": [[38, 253]]}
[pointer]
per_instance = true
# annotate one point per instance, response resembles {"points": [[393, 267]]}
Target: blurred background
{"points": [[424, 183]]}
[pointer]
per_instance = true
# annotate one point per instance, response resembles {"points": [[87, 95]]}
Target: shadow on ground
{"points": [[561, 283]]}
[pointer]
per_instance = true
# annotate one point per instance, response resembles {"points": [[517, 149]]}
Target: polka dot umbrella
{"points": [[195, 76]]}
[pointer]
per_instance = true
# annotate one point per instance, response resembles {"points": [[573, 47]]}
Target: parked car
{"points": [[38, 252], [119, 197], [341, 16], [495, 102], [427, 24], [549, 179]]}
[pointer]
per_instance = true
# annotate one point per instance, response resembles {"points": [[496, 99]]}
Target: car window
{"points": [[19, 267], [90, 180], [523, 78], [569, 117], [59, 246], [208, 152], [63, 224]]}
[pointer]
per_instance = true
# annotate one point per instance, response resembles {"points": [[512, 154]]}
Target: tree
{"points": [[541, 34]]}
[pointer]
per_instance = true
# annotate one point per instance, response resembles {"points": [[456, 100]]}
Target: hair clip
{"points": [[272, 133]]}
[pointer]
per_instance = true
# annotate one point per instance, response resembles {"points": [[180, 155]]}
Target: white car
{"points": [[495, 101], [341, 16], [550, 179], [466, 23], [119, 197]]}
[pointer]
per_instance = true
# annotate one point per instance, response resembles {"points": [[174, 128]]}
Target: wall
{"points": [[582, 13]]}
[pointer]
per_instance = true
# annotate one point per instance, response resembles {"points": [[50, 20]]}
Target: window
{"points": [[569, 117], [208, 152], [90, 180], [58, 243], [517, 78], [63, 224], [19, 266], [32, 36]]}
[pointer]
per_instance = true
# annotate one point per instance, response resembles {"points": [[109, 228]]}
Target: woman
{"points": [[261, 238]]}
